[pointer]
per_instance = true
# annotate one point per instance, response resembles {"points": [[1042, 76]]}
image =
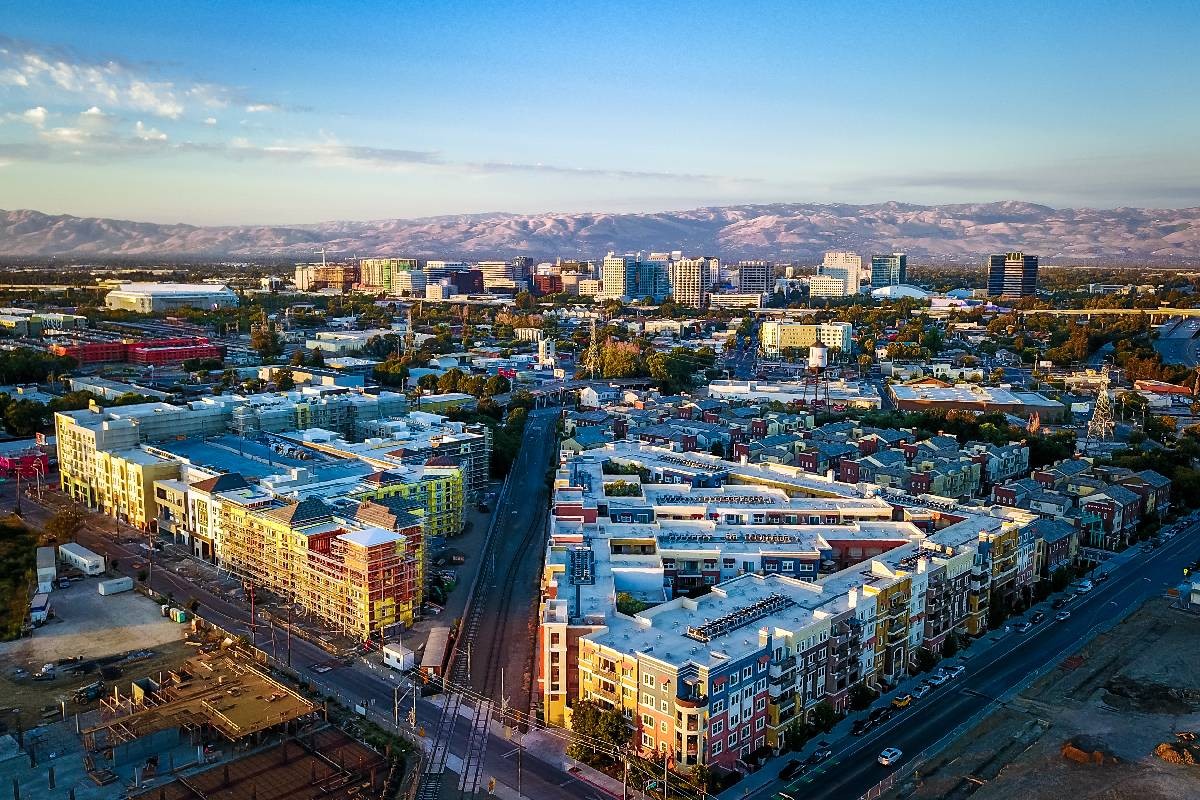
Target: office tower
{"points": [[691, 281], [408, 283], [888, 270], [1012, 275], [826, 286], [756, 277], [844, 266], [522, 268], [496, 274], [654, 277], [436, 270], [618, 276], [378, 274]]}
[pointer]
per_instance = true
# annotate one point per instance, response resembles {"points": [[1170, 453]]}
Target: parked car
{"points": [[922, 690], [1037, 617], [791, 769], [1024, 627], [1059, 602], [1103, 576], [1084, 587], [881, 715], [902, 701], [937, 679], [890, 756], [1060, 616], [955, 671]]}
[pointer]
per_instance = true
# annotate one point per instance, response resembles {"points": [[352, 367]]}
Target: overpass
{"points": [[1087, 313]]}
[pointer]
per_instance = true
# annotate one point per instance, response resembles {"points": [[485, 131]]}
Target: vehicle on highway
{"points": [[1060, 616], [1102, 577], [1059, 603], [320, 668], [922, 690], [881, 715], [955, 671], [890, 756], [902, 701], [792, 769], [1084, 587], [822, 753], [1024, 627], [1037, 617], [861, 726]]}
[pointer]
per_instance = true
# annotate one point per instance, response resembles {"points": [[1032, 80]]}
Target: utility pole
{"points": [[289, 636], [396, 705]]}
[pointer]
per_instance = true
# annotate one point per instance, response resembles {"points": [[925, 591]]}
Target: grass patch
{"points": [[18, 550]]}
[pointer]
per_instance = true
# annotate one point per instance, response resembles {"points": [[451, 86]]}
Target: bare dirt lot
{"points": [[123, 635], [1114, 702]]}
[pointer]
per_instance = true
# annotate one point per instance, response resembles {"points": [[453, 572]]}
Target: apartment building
{"points": [[691, 281], [816, 587], [755, 277], [359, 579], [777, 336]]}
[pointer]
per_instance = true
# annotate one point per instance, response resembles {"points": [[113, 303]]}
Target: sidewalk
{"points": [[839, 736]]}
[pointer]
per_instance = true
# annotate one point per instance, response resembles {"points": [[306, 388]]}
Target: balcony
{"points": [[781, 670]]}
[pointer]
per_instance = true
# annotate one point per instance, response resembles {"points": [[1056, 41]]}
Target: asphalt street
{"points": [[989, 676]]}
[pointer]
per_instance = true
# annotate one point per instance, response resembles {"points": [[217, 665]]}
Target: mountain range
{"points": [[784, 231]]}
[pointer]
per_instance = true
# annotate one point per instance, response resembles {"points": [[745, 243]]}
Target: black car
{"points": [[881, 714], [1037, 617], [792, 769], [862, 726], [1059, 603], [1102, 577]]}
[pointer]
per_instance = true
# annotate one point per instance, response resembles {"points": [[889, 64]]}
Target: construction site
{"points": [[1118, 718], [216, 726]]}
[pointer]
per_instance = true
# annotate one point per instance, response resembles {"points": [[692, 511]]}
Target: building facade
{"points": [[889, 270], [1012, 275]]}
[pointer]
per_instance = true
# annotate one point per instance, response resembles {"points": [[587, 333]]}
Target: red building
{"points": [[151, 351], [548, 284]]}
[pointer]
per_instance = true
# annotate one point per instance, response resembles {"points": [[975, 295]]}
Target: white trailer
{"points": [[115, 585], [47, 569], [81, 558], [398, 657]]}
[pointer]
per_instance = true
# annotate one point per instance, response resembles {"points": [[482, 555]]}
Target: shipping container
{"points": [[116, 585], [81, 558], [39, 609], [398, 657]]}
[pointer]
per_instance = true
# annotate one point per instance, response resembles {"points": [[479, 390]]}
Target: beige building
{"points": [[778, 336]]}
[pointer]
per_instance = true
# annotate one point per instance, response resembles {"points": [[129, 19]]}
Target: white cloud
{"points": [[34, 116], [71, 136], [42, 72], [259, 108], [148, 134], [210, 121], [94, 111]]}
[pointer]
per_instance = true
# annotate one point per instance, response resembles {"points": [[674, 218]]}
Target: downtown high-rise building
{"points": [[691, 281], [889, 270], [843, 266], [630, 277], [756, 277], [1012, 275]]}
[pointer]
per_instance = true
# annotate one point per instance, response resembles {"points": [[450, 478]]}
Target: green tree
{"points": [[608, 728], [64, 525], [824, 716], [950, 645], [525, 301], [926, 659], [285, 379], [861, 696], [267, 342]]}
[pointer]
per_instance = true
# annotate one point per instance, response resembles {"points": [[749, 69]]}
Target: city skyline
{"points": [[300, 115]]}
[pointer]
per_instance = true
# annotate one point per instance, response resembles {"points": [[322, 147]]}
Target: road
{"points": [[1177, 343], [990, 675]]}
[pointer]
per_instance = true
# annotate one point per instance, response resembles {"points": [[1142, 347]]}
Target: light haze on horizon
{"points": [[229, 113]]}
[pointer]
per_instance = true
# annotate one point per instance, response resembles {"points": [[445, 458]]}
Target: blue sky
{"points": [[297, 112]]}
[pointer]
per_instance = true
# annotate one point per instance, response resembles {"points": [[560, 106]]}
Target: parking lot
{"points": [[118, 630]]}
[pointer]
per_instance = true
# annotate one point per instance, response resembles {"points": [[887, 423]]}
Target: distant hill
{"points": [[784, 231]]}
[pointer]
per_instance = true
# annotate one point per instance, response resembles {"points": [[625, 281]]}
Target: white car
{"points": [[955, 671], [1084, 587], [890, 757], [937, 679]]}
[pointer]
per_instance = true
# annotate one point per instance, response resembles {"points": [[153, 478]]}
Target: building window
{"points": [[717, 749], [647, 721], [760, 723], [732, 740], [748, 672], [718, 706], [662, 726], [760, 704], [663, 706], [647, 741], [648, 680], [718, 727]]}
